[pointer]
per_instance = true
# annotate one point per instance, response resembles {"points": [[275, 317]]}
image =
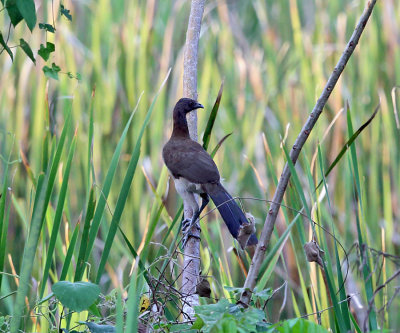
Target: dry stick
{"points": [[191, 258], [269, 224]]}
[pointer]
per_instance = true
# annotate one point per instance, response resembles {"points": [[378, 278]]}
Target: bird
{"points": [[195, 172]]}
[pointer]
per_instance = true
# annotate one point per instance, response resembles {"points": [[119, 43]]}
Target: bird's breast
{"points": [[183, 185]]}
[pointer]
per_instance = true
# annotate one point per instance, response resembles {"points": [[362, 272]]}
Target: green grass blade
{"points": [[343, 304], [80, 269], [336, 307], [273, 254], [135, 289], [295, 179], [70, 252], [212, 117], [365, 260], [29, 257], [348, 143], [42, 199], [219, 144], [90, 167], [58, 217], [119, 324], [136, 256], [123, 195], [3, 219], [56, 161], [107, 186]]}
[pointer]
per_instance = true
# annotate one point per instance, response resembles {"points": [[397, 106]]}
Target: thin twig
{"points": [[294, 154]]}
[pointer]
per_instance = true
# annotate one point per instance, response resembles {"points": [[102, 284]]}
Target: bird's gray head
{"points": [[187, 104]]}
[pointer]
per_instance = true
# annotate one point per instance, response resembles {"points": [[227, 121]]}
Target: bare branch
{"points": [[294, 154]]}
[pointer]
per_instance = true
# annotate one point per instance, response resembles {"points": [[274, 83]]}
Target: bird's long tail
{"points": [[230, 211]]}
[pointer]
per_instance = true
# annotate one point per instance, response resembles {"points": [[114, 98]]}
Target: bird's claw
{"points": [[187, 225], [186, 238]]}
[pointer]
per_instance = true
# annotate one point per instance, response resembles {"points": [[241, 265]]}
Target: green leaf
{"points": [[66, 12], [106, 188], [93, 309], [96, 328], [349, 142], [226, 317], [58, 216], [47, 27], [51, 72], [70, 252], [4, 44], [28, 12], [80, 266], [76, 296], [299, 325], [211, 119], [13, 12], [264, 295], [126, 185], [44, 52], [27, 49]]}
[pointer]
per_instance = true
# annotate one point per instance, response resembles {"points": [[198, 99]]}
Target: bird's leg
{"points": [[188, 224]]}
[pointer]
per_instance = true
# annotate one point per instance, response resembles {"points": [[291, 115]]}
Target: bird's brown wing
{"points": [[189, 160]]}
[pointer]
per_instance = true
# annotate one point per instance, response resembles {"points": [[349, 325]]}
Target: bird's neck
{"points": [[180, 125]]}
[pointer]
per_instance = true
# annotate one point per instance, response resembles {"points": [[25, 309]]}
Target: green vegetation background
{"points": [[274, 57]]}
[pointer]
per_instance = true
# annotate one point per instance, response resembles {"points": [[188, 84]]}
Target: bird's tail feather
{"points": [[230, 211]]}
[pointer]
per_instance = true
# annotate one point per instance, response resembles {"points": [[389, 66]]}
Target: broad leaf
{"points": [[52, 72], [76, 296], [28, 11], [44, 52], [47, 27], [13, 12], [66, 12], [299, 325], [27, 49], [226, 317], [96, 328]]}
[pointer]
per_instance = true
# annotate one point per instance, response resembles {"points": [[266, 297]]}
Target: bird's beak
{"points": [[199, 106]]}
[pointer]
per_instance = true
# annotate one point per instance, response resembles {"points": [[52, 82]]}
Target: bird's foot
{"points": [[187, 226]]}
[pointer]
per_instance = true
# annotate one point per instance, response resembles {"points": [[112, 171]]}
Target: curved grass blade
{"points": [[57, 217], [123, 195], [28, 257], [348, 144], [42, 199], [80, 269], [136, 256], [211, 119], [219, 144], [135, 288], [366, 269], [107, 186], [4, 217], [70, 252], [90, 167]]}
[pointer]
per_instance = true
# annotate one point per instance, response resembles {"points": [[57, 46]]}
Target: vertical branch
{"points": [[191, 259], [269, 224]]}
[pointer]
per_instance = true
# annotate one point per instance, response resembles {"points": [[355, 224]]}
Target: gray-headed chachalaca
{"points": [[194, 171]]}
